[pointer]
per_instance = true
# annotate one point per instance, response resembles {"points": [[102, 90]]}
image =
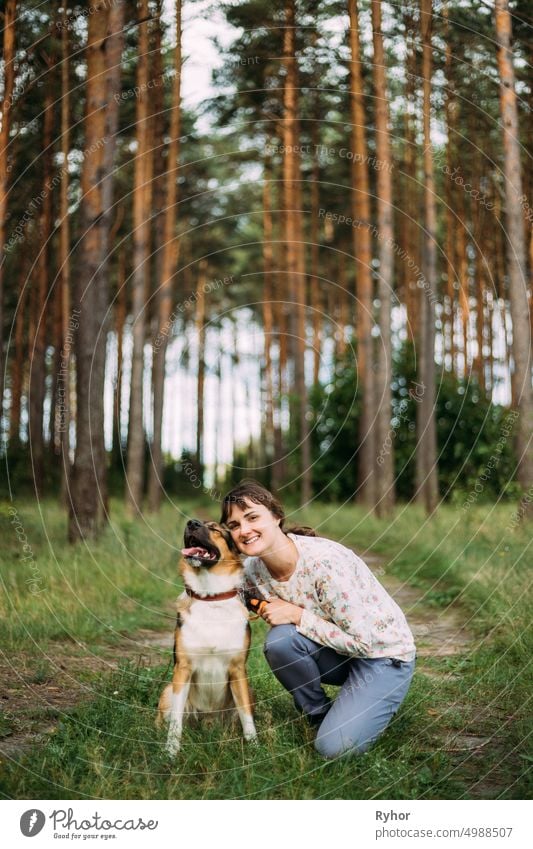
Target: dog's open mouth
{"points": [[196, 552], [197, 546]]}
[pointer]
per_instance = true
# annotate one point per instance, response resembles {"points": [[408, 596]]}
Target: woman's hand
{"points": [[279, 612]]}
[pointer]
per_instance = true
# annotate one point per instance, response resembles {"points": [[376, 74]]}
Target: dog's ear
{"points": [[230, 542]]}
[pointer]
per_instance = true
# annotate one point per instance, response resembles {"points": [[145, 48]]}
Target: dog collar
{"points": [[217, 597]]}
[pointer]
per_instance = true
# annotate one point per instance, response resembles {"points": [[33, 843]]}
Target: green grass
{"points": [[109, 747]]}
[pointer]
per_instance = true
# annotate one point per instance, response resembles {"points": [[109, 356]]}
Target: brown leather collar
{"points": [[218, 597]]}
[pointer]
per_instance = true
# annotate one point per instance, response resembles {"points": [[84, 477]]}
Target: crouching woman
{"points": [[331, 620]]}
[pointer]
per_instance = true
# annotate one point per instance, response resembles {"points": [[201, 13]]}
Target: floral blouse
{"points": [[345, 606]]}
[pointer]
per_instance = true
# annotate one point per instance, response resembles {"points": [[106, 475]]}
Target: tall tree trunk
{"points": [[17, 373], [315, 289], [64, 411], [363, 256], [450, 108], [385, 461], [339, 309], [5, 109], [56, 334], [426, 457], [88, 490], [141, 239], [218, 433], [295, 245], [516, 261], [279, 371], [200, 334], [478, 222], [120, 321], [168, 270], [38, 360], [500, 294], [462, 268], [412, 192], [267, 302]]}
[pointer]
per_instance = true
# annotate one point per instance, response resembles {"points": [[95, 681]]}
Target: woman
{"points": [[331, 623]]}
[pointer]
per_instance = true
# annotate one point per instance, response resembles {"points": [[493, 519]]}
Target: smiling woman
{"points": [[331, 620]]}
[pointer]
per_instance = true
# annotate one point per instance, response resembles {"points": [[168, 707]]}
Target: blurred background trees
{"points": [[319, 276]]}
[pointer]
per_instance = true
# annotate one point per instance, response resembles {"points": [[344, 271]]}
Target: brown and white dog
{"points": [[212, 636]]}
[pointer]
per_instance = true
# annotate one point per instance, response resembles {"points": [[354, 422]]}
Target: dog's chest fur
{"points": [[212, 633]]}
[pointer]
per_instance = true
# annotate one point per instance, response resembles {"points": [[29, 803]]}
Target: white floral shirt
{"points": [[345, 606]]}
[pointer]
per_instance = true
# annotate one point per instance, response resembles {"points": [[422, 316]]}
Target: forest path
{"points": [[443, 642], [38, 689]]}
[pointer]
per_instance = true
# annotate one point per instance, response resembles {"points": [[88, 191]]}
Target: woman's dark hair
{"points": [[250, 490]]}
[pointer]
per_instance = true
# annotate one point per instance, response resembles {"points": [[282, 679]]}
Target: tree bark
{"points": [[120, 321], [384, 471], [462, 269], [280, 369], [295, 247], [168, 270], [450, 107], [141, 240], [426, 456], [88, 321], [268, 270], [363, 256], [315, 289], [17, 373], [516, 261], [412, 192], [64, 411], [5, 108], [200, 333], [38, 359]]}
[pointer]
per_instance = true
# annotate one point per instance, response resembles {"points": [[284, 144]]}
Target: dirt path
{"points": [[440, 634], [37, 690]]}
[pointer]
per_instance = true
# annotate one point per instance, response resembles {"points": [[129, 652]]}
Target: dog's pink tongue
{"points": [[195, 550]]}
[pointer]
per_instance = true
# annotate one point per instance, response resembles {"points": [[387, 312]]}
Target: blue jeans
{"points": [[372, 689]]}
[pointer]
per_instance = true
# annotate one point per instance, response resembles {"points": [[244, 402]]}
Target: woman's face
{"points": [[255, 530]]}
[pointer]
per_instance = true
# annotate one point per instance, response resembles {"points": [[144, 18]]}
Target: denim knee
{"points": [[280, 643], [331, 745]]}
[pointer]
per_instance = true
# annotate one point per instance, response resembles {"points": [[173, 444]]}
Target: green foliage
{"points": [[336, 409], [474, 436]]}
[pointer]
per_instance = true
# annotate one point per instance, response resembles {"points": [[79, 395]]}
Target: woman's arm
{"points": [[340, 591], [329, 634], [345, 632]]}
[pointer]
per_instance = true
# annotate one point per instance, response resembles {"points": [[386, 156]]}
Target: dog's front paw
{"points": [[250, 735], [173, 742], [248, 728]]}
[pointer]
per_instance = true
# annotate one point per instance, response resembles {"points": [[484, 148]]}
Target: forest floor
{"points": [[39, 688], [458, 734]]}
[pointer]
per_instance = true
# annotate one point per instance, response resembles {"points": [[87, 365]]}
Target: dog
{"points": [[212, 636]]}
